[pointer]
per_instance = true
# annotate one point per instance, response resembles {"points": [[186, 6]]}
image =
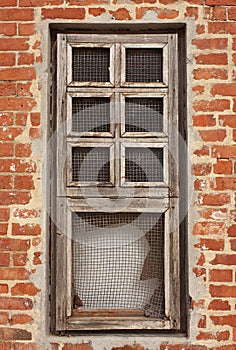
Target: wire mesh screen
{"points": [[143, 65], [91, 64], [143, 114], [91, 114], [118, 261], [143, 164], [90, 164]]}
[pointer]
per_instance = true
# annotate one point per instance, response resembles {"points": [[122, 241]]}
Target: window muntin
{"points": [[147, 197]]}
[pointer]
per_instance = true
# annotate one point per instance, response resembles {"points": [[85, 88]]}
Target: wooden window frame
{"points": [[163, 197]]}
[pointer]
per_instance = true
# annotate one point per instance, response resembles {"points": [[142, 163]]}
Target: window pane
{"points": [[91, 114], [144, 114], [118, 261], [144, 65], [91, 64], [90, 164], [143, 164]]}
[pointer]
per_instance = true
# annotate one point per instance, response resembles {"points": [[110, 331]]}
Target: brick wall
{"points": [[212, 134]]}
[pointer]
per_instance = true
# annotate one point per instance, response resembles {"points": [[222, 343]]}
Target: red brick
{"points": [[21, 319], [4, 259], [167, 14], [200, 184], [228, 120], [213, 135], [24, 183], [23, 150], [218, 304], [211, 106], [10, 133], [15, 104], [233, 244], [24, 288], [232, 13], [37, 258], [14, 44], [199, 90], [9, 198], [120, 14], [98, 11], [8, 3], [12, 244], [17, 74], [220, 2], [26, 230], [25, 59], [218, 14], [224, 151], [8, 29], [29, 346], [17, 165], [14, 334], [26, 29], [75, 13], [183, 346], [201, 169], [14, 273], [3, 288], [6, 119], [210, 244], [7, 59], [4, 214], [5, 346], [204, 120], [21, 119], [16, 15], [20, 259], [34, 133], [229, 320], [35, 119], [204, 151], [191, 12], [6, 149], [224, 89], [224, 259], [200, 29], [7, 89], [232, 231], [221, 275], [226, 183], [3, 229], [37, 3], [4, 318], [214, 199], [85, 346], [212, 58], [6, 182], [24, 89], [208, 228], [26, 213], [223, 167], [222, 27], [219, 336]]}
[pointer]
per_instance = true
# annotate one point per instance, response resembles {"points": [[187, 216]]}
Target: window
{"points": [[117, 182]]}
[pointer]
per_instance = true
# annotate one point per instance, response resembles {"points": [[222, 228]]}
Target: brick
{"points": [[204, 151], [26, 230], [4, 259], [34, 133], [210, 244], [98, 11], [7, 58], [219, 14], [8, 29], [35, 119], [214, 199], [201, 169], [208, 228], [7, 89], [219, 336], [223, 167], [85, 346], [37, 3], [37, 258], [21, 119], [232, 13], [14, 273], [218, 304], [229, 320], [226, 183], [5, 346], [16, 15], [221, 275], [199, 90], [87, 2], [222, 27], [17, 165], [6, 149], [3, 288], [20, 259], [9, 198], [21, 319], [24, 89], [4, 214], [23, 150], [233, 244], [26, 29], [200, 184], [12, 244], [17, 74], [10, 44], [121, 14], [6, 119], [210, 73], [213, 135], [210, 44], [8, 3], [24, 288], [204, 120], [10, 133], [29, 346], [26, 213], [24, 182], [183, 346], [212, 58], [200, 29], [14, 334], [167, 14], [15, 104], [25, 59], [232, 231], [4, 318], [220, 2], [224, 259], [6, 182], [3, 229], [191, 12], [75, 13], [211, 106], [228, 120], [223, 89], [224, 151]]}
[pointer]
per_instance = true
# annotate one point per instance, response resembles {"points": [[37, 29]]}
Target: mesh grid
{"points": [[143, 65], [118, 261], [91, 114], [143, 164], [143, 114], [90, 164], [91, 64]]}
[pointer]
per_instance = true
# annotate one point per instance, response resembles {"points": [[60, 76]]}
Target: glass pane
{"points": [[143, 164], [144, 114], [90, 164], [118, 261], [91, 114], [143, 65], [91, 64]]}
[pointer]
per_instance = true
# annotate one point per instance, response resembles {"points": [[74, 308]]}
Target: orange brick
{"points": [[223, 167], [213, 135], [26, 230], [7, 59], [208, 228], [24, 288], [212, 58], [75, 13], [221, 275], [211, 106], [218, 304], [224, 259]]}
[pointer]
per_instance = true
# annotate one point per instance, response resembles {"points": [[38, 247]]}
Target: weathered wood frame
{"points": [[162, 199]]}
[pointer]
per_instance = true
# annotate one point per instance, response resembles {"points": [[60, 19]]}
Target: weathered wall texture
{"points": [[24, 81]]}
